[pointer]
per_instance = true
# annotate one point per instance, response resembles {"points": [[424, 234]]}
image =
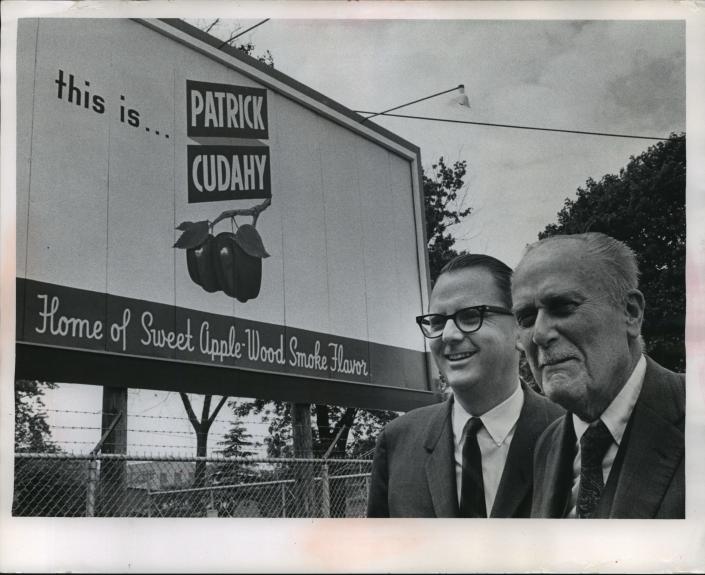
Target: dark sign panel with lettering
{"points": [[69, 317], [218, 173], [223, 110]]}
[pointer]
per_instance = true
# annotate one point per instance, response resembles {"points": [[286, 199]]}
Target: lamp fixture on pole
{"points": [[463, 101], [463, 98]]}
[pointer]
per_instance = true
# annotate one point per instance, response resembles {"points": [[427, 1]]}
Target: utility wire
{"points": [[409, 103], [515, 126]]}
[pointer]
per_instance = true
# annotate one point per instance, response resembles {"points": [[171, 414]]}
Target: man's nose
{"points": [[451, 331], [544, 329]]}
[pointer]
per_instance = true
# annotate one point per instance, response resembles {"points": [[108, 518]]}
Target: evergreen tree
{"points": [[237, 442]]}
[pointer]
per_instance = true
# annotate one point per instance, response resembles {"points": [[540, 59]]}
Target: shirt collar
{"points": [[617, 414], [498, 421]]}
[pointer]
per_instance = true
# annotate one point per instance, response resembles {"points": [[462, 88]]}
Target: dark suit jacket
{"points": [[647, 479], [413, 473]]}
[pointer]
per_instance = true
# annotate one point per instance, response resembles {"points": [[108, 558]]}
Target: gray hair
{"points": [[618, 269]]}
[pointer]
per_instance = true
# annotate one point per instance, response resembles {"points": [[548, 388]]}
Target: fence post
{"points": [[325, 491], [304, 496], [283, 499], [90, 488]]}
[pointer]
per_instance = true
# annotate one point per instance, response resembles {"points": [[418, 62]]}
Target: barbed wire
{"points": [[265, 418], [155, 445], [169, 417], [190, 447], [185, 420], [250, 439]]}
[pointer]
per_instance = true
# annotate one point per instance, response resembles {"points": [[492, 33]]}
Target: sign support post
{"points": [[303, 448], [113, 474]]}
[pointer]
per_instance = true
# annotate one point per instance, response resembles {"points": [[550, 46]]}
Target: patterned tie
{"points": [[593, 446], [472, 494]]}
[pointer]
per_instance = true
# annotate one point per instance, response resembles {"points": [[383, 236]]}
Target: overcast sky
{"points": [[624, 77]]}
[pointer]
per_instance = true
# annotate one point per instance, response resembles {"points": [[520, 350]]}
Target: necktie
{"points": [[593, 446], [472, 495]]}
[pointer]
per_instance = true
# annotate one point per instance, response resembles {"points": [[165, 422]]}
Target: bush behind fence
{"points": [[64, 485]]}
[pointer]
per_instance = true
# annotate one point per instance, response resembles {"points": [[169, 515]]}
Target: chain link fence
{"points": [[65, 485]]}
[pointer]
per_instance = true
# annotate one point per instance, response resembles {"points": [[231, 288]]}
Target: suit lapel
{"points": [[655, 447], [516, 477], [550, 497], [440, 464]]}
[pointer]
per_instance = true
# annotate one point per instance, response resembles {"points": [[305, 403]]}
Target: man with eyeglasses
{"points": [[619, 452], [470, 456]]}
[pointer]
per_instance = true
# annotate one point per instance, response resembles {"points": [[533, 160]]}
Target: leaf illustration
{"points": [[248, 238], [195, 233]]}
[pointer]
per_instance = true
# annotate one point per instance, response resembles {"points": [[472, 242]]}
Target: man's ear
{"points": [[634, 309]]}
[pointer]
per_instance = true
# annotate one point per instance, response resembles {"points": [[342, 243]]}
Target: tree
{"points": [[202, 427], [356, 429], [32, 432], [353, 430], [237, 441], [443, 210], [644, 206], [229, 38]]}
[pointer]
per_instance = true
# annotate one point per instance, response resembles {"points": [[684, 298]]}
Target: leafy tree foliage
{"points": [[248, 48], [32, 432], [265, 58], [355, 429], [443, 206], [337, 432], [644, 206]]}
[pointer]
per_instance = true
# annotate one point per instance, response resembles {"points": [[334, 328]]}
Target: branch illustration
{"points": [[254, 211]]}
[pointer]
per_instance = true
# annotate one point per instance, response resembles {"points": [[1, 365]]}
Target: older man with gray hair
{"points": [[619, 451]]}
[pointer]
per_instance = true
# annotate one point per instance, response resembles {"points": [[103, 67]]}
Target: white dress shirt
{"points": [[493, 439], [615, 418]]}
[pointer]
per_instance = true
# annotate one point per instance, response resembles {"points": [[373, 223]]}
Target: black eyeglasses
{"points": [[468, 319]]}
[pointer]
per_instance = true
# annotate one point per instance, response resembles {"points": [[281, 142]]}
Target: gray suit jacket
{"points": [[413, 473], [647, 479]]}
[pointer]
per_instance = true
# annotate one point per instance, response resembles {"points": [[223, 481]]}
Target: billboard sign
{"points": [[185, 204]]}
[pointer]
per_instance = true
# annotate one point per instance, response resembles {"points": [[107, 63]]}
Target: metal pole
{"points": [[90, 488], [325, 491], [303, 448], [283, 499]]}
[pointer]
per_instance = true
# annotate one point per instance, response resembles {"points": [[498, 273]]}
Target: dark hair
{"points": [[500, 271]]}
